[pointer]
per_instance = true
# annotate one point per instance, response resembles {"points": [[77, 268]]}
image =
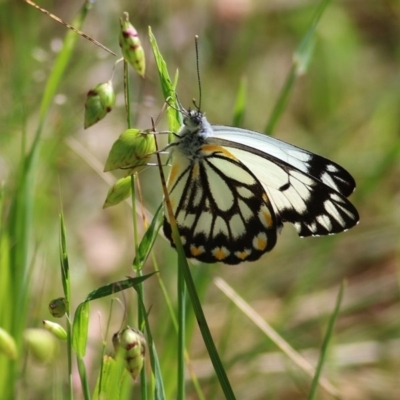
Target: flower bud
{"points": [[131, 47], [56, 329], [7, 345], [130, 343], [132, 149], [41, 344], [120, 191], [58, 307], [99, 102]]}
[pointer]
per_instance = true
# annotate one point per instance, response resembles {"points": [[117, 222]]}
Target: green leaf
{"points": [[80, 329], [116, 287], [240, 103], [112, 375], [174, 115], [148, 239]]}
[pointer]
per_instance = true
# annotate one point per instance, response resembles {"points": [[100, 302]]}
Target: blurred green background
{"points": [[346, 107]]}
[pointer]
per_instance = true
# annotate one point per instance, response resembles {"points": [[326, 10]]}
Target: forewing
{"points": [[315, 204], [222, 211], [328, 172]]}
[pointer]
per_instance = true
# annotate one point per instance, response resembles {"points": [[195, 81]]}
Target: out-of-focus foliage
{"points": [[346, 107]]}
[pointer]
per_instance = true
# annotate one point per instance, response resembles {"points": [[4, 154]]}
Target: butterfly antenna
{"points": [[196, 41]]}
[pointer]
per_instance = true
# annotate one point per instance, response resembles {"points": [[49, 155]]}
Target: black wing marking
{"points": [[307, 201], [327, 171], [222, 210]]}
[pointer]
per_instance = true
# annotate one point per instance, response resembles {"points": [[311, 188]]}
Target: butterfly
{"points": [[231, 191]]}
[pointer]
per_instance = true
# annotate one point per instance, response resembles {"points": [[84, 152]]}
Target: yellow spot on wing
{"points": [[220, 253], [218, 149], [265, 217], [196, 251], [242, 255], [260, 241]]}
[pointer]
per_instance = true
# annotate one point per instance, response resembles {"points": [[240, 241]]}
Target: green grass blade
{"points": [[202, 322], [174, 121], [62, 60], [159, 391], [116, 287], [205, 332], [148, 239], [184, 273], [240, 103], [66, 282], [301, 60], [168, 89], [65, 277], [325, 343], [272, 334], [20, 220], [83, 376]]}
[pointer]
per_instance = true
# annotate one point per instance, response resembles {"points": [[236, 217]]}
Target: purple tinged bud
{"points": [[58, 307], [99, 102], [130, 344], [131, 47]]}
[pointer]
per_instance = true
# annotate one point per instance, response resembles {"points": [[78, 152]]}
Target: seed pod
{"points": [[58, 307], [7, 345], [130, 343], [132, 149], [41, 344], [57, 330], [120, 191], [99, 102], [131, 47]]}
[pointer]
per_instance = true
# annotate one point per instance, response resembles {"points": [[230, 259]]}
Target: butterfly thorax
{"points": [[192, 135]]}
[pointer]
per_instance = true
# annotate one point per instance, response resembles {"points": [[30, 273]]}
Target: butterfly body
{"points": [[232, 189]]}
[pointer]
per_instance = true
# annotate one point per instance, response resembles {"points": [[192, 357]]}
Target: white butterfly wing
{"points": [[305, 189], [326, 171], [221, 209]]}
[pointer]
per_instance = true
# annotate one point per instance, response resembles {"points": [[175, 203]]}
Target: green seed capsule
{"points": [[99, 102], [130, 343], [131, 47], [58, 307], [132, 149], [120, 191], [7, 345], [42, 345], [57, 330]]}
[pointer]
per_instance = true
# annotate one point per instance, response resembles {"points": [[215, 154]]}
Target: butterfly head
{"points": [[195, 122]]}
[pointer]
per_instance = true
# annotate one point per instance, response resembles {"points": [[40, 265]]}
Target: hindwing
{"points": [[222, 211]]}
